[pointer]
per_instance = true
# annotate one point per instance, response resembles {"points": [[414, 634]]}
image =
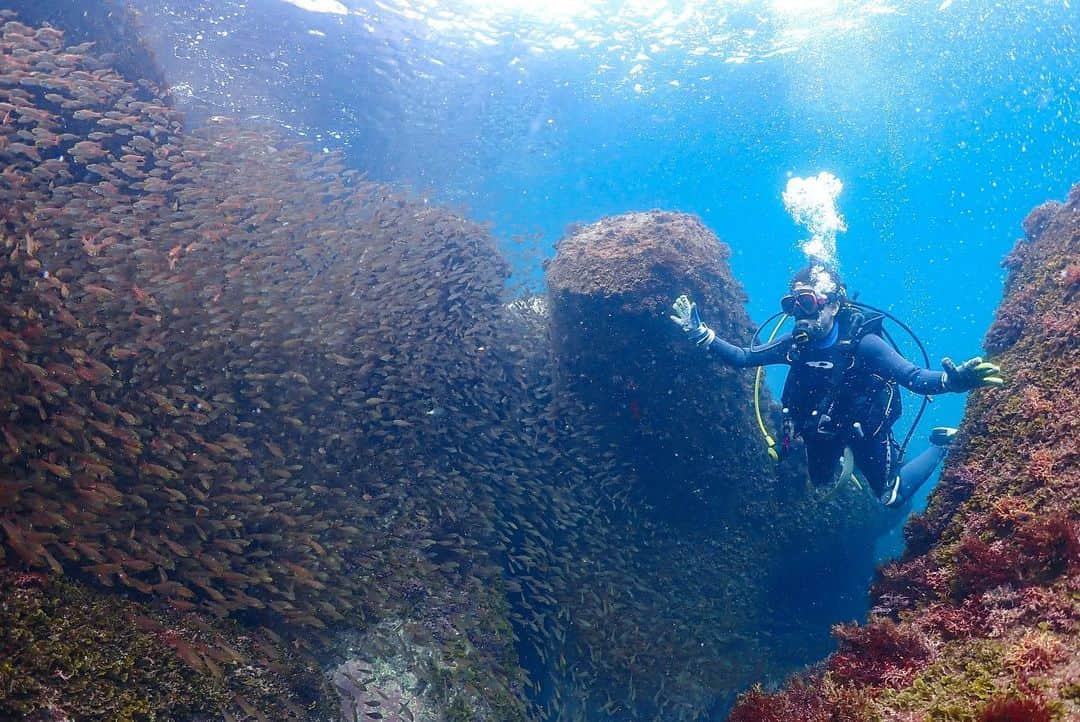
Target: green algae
{"points": [[953, 687], [68, 651], [65, 648], [960, 683]]}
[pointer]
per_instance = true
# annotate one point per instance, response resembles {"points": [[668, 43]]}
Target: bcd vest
{"points": [[828, 390]]}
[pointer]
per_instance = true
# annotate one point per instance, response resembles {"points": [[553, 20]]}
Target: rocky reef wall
{"points": [[980, 619]]}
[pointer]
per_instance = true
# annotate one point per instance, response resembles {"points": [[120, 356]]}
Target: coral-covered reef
{"points": [[980, 619]]}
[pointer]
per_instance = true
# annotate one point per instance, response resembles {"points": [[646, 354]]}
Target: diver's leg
{"points": [[877, 459], [823, 460], [914, 473]]}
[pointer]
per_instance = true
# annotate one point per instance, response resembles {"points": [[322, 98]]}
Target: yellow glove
{"points": [[971, 374]]}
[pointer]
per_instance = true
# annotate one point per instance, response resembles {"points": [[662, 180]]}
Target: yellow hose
{"points": [[770, 442]]}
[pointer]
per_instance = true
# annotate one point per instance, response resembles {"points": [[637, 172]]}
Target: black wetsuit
{"points": [[825, 404]]}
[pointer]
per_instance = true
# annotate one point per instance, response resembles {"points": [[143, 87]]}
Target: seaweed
{"points": [[1014, 709]]}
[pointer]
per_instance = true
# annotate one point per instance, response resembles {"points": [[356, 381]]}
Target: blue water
{"points": [[946, 122]]}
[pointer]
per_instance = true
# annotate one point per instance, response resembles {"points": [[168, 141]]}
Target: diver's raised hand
{"points": [[971, 374], [686, 316]]}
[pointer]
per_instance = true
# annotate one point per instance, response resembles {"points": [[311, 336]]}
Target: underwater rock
{"points": [[72, 652], [682, 428], [988, 591], [377, 687], [640, 257], [1037, 221], [402, 678], [684, 418], [387, 685]]}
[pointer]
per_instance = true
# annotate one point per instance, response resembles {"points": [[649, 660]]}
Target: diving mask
{"points": [[803, 304]]}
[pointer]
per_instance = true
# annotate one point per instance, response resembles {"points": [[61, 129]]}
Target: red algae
{"points": [[1012, 709], [802, 701], [879, 653]]}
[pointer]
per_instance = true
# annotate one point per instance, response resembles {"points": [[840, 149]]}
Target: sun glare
{"points": [[332, 7], [801, 8], [539, 8]]}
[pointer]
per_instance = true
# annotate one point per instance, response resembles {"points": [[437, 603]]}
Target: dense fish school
{"points": [[242, 385]]}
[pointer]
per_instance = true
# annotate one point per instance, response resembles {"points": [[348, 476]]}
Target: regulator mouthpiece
{"points": [[803, 331]]}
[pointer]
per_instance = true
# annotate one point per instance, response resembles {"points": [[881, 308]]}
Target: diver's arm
{"points": [[697, 331], [742, 357], [883, 358]]}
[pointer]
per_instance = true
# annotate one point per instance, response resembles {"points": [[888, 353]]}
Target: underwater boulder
{"points": [[683, 423], [685, 418]]}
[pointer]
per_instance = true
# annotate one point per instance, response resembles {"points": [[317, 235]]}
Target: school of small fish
{"points": [[238, 379]]}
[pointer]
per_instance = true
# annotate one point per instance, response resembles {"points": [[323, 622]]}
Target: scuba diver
{"points": [[840, 395]]}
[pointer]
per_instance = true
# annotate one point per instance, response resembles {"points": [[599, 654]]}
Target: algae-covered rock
{"points": [[732, 524], [68, 652], [397, 671], [685, 419]]}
